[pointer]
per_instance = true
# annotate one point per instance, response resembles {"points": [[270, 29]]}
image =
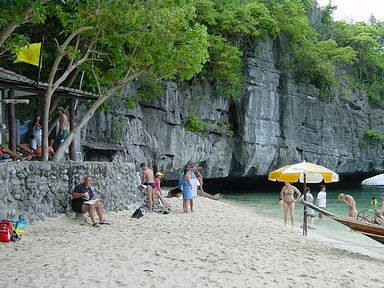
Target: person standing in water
{"points": [[321, 200], [382, 204], [288, 201], [348, 199]]}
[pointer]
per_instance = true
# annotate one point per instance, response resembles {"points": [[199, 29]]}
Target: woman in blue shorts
{"points": [[187, 191]]}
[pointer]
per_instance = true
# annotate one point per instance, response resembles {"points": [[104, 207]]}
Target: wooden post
{"points": [[72, 150], [305, 220], [12, 122]]}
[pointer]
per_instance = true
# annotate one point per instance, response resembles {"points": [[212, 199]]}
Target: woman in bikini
{"points": [[288, 200]]}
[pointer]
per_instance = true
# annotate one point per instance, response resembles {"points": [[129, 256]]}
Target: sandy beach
{"points": [[218, 245]]}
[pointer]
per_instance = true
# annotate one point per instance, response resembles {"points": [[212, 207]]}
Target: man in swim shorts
{"points": [[148, 179], [348, 199]]}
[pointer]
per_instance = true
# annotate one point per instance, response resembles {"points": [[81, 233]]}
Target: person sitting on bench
{"points": [[83, 200]]}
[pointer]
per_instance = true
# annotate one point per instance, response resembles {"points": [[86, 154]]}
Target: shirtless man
{"points": [[288, 201], [63, 126], [348, 199], [148, 179]]}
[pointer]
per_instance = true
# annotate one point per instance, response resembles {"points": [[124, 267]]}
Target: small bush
{"points": [[371, 137], [194, 125]]}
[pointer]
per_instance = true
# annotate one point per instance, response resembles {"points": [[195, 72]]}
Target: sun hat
{"points": [[159, 174]]}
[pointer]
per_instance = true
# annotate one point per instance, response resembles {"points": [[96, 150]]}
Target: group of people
{"points": [[152, 183], [84, 200], [36, 133], [287, 199], [190, 180]]}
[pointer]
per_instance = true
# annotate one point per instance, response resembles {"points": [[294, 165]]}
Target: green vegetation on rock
{"points": [[371, 137]]}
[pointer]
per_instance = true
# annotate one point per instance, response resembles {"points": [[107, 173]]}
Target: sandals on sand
{"points": [[103, 222], [97, 225]]}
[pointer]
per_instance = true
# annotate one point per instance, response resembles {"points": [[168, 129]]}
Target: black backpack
{"points": [[137, 214]]}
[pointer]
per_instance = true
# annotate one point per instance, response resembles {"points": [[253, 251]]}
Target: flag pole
{"points": [[40, 60]]}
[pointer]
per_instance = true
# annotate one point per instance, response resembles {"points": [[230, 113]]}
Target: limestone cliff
{"points": [[276, 121]]}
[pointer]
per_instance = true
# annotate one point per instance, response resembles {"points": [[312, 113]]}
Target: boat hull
{"points": [[371, 230]]}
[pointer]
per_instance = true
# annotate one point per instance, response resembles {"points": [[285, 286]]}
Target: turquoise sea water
{"points": [[327, 230], [266, 203]]}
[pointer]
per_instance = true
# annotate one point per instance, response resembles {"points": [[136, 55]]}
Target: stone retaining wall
{"points": [[36, 190]]}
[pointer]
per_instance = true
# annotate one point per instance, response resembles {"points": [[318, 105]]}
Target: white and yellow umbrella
{"points": [[304, 172]]}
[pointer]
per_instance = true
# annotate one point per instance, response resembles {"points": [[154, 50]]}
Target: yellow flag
{"points": [[29, 54]]}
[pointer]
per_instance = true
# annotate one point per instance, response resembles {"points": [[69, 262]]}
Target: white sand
{"points": [[218, 245]]}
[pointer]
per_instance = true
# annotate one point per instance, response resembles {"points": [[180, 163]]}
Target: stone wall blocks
{"points": [[46, 191]]}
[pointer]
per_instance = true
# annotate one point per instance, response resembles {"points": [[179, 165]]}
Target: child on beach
{"points": [[310, 212], [158, 192], [321, 200], [348, 199]]}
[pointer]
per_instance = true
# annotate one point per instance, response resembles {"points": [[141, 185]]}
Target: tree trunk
{"points": [[12, 122], [48, 97], [72, 150], [59, 154], [7, 31]]}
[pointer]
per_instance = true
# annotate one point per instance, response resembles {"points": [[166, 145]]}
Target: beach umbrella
{"points": [[304, 172]]}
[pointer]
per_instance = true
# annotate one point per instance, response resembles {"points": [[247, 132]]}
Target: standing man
{"points": [[148, 179], [63, 126], [83, 200], [321, 200], [348, 199]]}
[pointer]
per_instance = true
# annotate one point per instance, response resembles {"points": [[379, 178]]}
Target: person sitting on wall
{"points": [[83, 200]]}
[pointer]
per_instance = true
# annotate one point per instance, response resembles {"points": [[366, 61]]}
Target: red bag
{"points": [[6, 231]]}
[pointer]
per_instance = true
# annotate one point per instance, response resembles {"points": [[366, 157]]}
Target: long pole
{"points": [[40, 60], [305, 220]]}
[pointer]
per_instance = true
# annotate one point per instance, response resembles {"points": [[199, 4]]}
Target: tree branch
{"points": [[28, 13]]}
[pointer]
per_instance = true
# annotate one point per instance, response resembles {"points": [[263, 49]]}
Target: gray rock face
{"points": [[36, 190], [277, 121]]}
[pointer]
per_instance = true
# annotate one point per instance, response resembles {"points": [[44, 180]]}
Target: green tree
{"points": [[13, 13], [115, 42], [232, 25]]}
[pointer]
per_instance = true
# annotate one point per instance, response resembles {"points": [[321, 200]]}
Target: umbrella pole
{"points": [[305, 220]]}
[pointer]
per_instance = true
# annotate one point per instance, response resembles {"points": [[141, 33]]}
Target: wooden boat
{"points": [[363, 224]]}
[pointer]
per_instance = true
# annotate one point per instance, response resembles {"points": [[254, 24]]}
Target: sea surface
{"points": [[327, 230]]}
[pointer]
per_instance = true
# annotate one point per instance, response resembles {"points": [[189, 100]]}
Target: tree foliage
{"points": [[117, 42], [231, 25], [366, 40]]}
